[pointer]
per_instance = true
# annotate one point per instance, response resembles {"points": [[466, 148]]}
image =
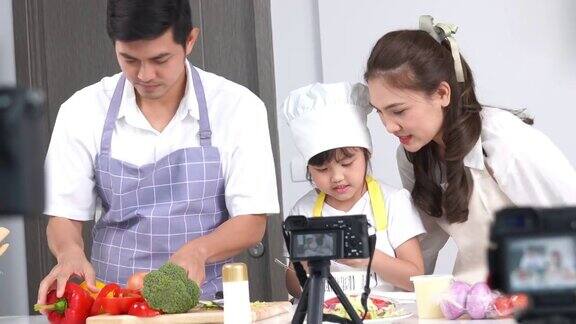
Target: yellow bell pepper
{"points": [[99, 285]]}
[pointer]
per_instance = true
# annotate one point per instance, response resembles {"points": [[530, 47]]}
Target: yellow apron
{"points": [[352, 282], [377, 203]]}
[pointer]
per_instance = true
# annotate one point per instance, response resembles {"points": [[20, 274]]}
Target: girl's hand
{"points": [[356, 263]]}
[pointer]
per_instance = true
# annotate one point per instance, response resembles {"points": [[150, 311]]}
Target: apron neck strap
{"points": [[113, 109], [205, 133], [377, 203]]}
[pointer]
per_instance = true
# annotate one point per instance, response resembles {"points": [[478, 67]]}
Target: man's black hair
{"points": [[131, 20]]}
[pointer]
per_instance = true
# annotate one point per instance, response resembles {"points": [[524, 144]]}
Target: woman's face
{"points": [[414, 116]]}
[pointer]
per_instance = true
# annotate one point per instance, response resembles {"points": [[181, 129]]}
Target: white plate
{"points": [[388, 319], [398, 296]]}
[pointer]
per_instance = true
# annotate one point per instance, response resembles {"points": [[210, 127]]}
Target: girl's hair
{"points": [[412, 59], [336, 154]]}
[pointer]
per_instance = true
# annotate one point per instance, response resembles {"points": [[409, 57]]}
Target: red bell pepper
{"points": [[115, 300], [142, 309], [108, 289], [72, 308]]}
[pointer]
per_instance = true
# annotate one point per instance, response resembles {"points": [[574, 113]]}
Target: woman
{"points": [[461, 161]]}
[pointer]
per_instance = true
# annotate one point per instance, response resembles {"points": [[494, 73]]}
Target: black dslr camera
{"points": [[327, 238], [533, 251], [23, 128], [318, 240]]}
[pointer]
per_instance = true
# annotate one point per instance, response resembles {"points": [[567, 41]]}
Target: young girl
{"points": [[461, 161], [328, 124]]}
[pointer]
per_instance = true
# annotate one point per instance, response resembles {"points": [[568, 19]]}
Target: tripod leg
{"points": [[302, 307], [315, 299], [344, 300]]}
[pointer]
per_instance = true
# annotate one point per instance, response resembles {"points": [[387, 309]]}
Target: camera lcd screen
{"points": [[307, 245], [537, 264]]}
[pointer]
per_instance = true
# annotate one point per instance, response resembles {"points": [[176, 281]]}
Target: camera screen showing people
{"points": [[542, 263], [327, 238], [314, 245]]}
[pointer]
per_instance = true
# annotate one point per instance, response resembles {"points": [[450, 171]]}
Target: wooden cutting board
{"points": [[259, 312]]}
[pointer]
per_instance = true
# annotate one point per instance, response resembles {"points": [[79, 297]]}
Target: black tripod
{"points": [[312, 300]]}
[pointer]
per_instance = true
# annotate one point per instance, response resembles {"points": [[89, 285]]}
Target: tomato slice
{"points": [[380, 303], [332, 302]]}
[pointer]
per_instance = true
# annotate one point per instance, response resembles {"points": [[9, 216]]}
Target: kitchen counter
{"points": [[286, 318], [405, 300]]}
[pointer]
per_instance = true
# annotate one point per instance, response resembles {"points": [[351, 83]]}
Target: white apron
{"points": [[472, 237]]}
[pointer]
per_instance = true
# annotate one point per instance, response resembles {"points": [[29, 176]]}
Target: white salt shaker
{"points": [[236, 294]]}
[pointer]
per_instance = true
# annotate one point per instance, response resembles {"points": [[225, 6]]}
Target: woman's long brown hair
{"points": [[412, 59]]}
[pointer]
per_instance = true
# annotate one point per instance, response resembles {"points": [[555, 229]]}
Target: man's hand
{"points": [[71, 263], [230, 238], [191, 260]]}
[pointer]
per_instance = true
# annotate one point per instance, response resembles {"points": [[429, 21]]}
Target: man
{"points": [[179, 158]]}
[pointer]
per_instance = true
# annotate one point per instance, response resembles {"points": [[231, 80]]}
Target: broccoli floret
{"points": [[193, 289], [165, 294], [177, 272], [174, 271], [168, 289]]}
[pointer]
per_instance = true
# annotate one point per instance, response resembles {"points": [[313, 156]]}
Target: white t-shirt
{"points": [[239, 125], [403, 222], [528, 168]]}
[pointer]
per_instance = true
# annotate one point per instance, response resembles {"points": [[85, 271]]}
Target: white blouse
{"points": [[527, 167]]}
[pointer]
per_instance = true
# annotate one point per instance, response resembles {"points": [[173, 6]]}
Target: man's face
{"points": [[154, 66]]}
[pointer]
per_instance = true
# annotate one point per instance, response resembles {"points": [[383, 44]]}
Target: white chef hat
{"points": [[322, 117]]}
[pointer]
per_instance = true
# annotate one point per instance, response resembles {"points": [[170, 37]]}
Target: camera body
{"points": [[533, 251], [327, 238], [23, 129]]}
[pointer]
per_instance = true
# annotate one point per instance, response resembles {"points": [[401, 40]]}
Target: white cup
{"points": [[429, 291]]}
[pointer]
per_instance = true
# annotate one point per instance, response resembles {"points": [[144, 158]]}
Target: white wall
{"points": [[296, 46], [521, 51], [13, 281]]}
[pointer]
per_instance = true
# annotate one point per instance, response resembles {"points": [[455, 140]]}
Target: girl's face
{"points": [[413, 116], [342, 179]]}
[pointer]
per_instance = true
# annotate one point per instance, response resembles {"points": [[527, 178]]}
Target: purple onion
{"points": [[453, 305], [479, 300]]}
